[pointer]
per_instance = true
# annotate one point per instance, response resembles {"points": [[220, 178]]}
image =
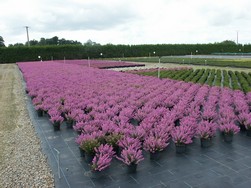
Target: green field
{"points": [[222, 62], [212, 77]]}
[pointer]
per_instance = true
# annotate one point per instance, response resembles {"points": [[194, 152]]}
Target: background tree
{"points": [[1, 42], [227, 42], [32, 42], [16, 45], [42, 41]]}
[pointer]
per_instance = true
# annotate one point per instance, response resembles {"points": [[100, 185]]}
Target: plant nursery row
{"points": [[212, 77], [121, 114]]}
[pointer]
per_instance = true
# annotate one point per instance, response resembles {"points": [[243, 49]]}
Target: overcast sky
{"points": [[127, 21]]}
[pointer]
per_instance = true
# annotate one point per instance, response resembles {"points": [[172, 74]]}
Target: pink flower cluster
{"points": [[182, 135], [229, 129], [131, 151], [103, 157]]}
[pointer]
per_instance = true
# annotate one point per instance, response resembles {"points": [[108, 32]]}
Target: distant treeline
{"points": [[24, 53]]}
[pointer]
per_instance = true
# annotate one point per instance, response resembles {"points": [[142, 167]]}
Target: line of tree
{"points": [[50, 41], [55, 48]]}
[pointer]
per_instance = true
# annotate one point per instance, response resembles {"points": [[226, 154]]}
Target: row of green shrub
{"points": [[210, 80], [225, 79], [14, 54], [243, 82], [235, 80]]}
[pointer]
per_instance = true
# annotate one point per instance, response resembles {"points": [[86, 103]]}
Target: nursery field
{"points": [[220, 61], [116, 106], [133, 119], [212, 77]]}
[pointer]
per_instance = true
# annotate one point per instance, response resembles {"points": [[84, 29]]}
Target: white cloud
{"points": [[127, 21]]}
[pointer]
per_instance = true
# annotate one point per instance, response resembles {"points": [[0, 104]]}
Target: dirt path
{"points": [[22, 163], [7, 104]]}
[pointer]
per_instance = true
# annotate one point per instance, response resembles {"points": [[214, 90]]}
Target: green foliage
{"points": [[218, 78], [225, 79], [210, 80], [60, 48], [89, 145], [198, 75], [228, 42], [112, 139], [243, 82], [1, 42], [203, 78], [247, 77], [190, 77], [235, 80]]}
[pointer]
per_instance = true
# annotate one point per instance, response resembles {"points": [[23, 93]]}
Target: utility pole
{"points": [[27, 32]]}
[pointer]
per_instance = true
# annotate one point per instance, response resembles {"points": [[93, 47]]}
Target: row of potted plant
{"points": [[199, 102], [107, 106], [130, 149]]}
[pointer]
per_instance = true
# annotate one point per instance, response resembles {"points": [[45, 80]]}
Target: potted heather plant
{"points": [[79, 140], [156, 141], [89, 146], [56, 121], [182, 136], [243, 121], [247, 124], [102, 160], [55, 118], [127, 141], [131, 156], [38, 103], [79, 127], [228, 131], [206, 130], [112, 139], [69, 120], [39, 111]]}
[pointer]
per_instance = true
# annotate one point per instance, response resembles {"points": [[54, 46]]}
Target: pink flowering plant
{"points": [[56, 119], [131, 155], [102, 158], [247, 121], [157, 138], [206, 130], [55, 116], [127, 142], [229, 129], [154, 144], [182, 135]]}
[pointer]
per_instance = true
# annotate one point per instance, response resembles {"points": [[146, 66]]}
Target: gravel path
{"points": [[22, 163]]}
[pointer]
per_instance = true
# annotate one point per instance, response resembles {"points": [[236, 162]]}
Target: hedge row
{"points": [[14, 54]]}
